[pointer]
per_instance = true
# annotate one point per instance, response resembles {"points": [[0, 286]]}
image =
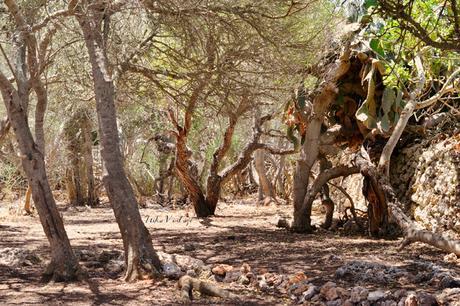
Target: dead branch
{"points": [[186, 284]]}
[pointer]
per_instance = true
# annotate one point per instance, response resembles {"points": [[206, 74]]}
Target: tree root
{"points": [[187, 283]]}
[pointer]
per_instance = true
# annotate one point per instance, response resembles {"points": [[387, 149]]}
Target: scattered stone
{"points": [[231, 276], [205, 274], [452, 258], [329, 291], [426, 299], [115, 266], [411, 300], [334, 303], [369, 272], [191, 273], [262, 284], [449, 296], [374, 296], [189, 247], [449, 282], [298, 277], [14, 257], [221, 269], [245, 268], [312, 291], [400, 293], [299, 288], [358, 294], [172, 271], [244, 280]]}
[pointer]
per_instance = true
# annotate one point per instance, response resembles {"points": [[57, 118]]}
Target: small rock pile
{"points": [[16, 257]]}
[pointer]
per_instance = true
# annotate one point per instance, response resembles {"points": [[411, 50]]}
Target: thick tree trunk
{"points": [[140, 257], [64, 265], [310, 150]]}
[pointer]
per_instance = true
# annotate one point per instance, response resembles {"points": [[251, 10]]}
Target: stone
{"points": [[299, 288], [449, 282], [243, 280], [358, 294], [245, 268], [189, 247], [311, 292], [329, 291], [191, 273], [337, 302], [172, 271], [411, 300], [452, 258], [298, 277], [426, 299], [221, 269], [262, 284], [400, 293], [232, 276], [374, 296]]}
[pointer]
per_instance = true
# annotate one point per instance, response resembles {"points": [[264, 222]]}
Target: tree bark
{"points": [[64, 265], [140, 257], [310, 150]]}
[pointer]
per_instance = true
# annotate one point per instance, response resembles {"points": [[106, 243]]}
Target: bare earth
{"points": [[240, 233]]}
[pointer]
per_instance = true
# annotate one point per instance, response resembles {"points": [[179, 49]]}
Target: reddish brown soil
{"points": [[240, 233]]}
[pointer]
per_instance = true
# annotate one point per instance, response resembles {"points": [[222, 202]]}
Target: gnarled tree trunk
{"points": [[64, 265], [140, 257]]}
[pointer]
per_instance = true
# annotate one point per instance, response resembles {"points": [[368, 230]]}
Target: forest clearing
{"points": [[216, 152]]}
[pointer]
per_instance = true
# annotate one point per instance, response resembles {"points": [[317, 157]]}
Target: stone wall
{"points": [[426, 176]]}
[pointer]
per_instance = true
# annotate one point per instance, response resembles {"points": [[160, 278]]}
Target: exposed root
{"points": [[187, 284]]}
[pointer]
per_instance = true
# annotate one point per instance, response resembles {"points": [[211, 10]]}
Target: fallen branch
{"points": [[187, 284]]}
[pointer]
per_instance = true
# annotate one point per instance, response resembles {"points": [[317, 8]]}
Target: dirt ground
{"points": [[240, 233]]}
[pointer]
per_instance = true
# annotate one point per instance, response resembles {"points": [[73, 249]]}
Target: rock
{"points": [[191, 273], [189, 247], [449, 282], [216, 278], [262, 284], [115, 266], [329, 291], [426, 299], [205, 274], [298, 277], [411, 300], [449, 296], [348, 303], [299, 288], [172, 271], [400, 293], [374, 296], [358, 294], [243, 280], [221, 269], [311, 292], [245, 268], [334, 303], [232, 276]]}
